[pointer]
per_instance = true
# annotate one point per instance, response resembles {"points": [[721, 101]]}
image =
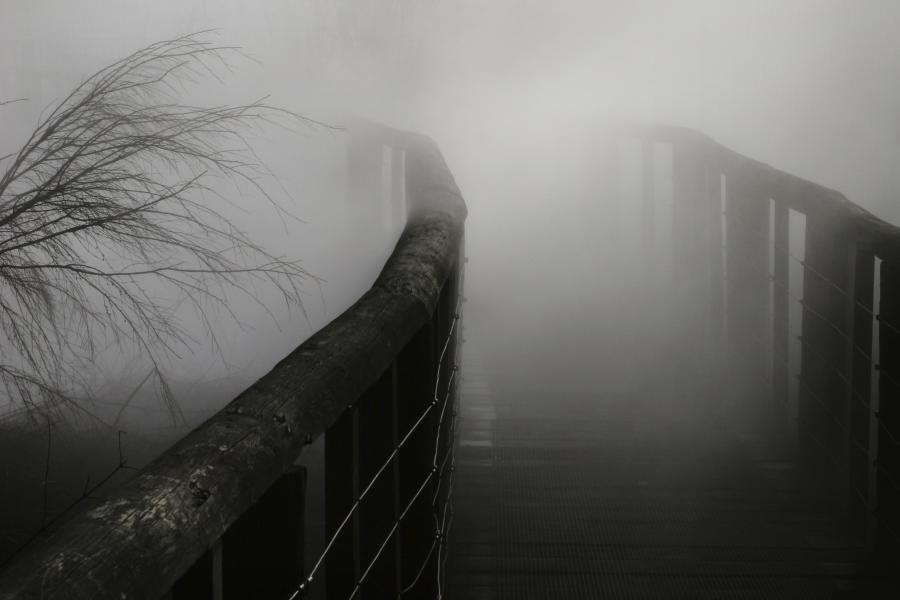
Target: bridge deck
{"points": [[575, 481]]}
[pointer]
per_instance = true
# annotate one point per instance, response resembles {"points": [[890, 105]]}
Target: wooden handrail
{"points": [[798, 193], [141, 539]]}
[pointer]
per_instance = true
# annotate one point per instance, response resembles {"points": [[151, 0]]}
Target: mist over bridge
{"points": [[713, 415], [708, 410]]}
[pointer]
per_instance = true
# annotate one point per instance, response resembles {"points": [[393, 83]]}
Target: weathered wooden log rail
{"points": [[735, 234], [220, 514]]}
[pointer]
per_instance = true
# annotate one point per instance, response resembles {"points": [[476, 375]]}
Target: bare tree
{"points": [[118, 191]]}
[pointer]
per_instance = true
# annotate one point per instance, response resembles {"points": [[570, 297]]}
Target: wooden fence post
{"points": [[341, 491], [715, 253], [746, 233], [888, 459], [263, 551], [781, 303], [376, 443], [689, 216], [863, 453], [396, 479], [197, 582], [688, 279], [416, 366], [827, 331]]}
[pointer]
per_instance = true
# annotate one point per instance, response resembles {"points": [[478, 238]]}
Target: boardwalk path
{"points": [[577, 479]]}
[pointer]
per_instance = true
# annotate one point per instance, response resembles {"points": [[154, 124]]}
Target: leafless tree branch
{"points": [[115, 191]]}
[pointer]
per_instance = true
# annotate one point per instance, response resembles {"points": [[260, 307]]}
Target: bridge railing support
{"points": [[814, 312], [222, 514]]}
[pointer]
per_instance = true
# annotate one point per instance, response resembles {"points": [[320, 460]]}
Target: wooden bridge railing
{"points": [[805, 286], [221, 514]]}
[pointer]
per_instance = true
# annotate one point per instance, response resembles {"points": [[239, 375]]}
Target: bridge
{"points": [[708, 411]]}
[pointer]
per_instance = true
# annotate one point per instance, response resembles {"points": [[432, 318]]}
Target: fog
{"points": [[516, 93], [520, 96]]}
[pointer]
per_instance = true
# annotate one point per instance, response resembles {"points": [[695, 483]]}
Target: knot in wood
{"points": [[200, 492]]}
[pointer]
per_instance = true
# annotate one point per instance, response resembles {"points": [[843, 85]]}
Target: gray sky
{"points": [[810, 85]]}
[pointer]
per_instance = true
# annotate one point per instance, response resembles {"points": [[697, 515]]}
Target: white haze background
{"points": [[514, 91]]}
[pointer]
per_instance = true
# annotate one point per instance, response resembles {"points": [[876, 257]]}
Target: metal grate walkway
{"points": [[567, 487]]}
